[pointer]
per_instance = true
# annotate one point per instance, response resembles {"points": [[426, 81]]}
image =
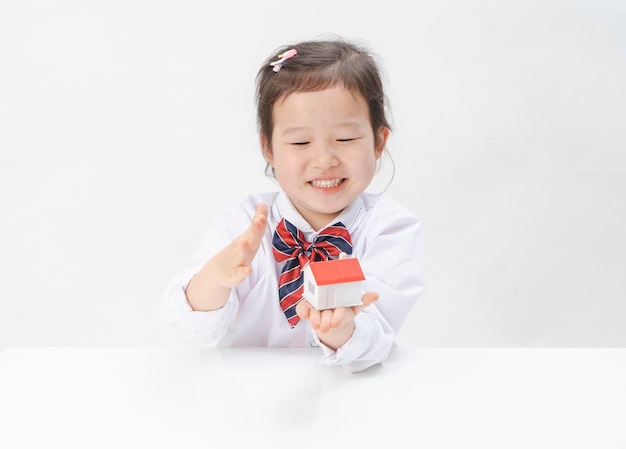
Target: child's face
{"points": [[323, 151]]}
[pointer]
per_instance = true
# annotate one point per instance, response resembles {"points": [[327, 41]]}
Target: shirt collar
{"points": [[284, 208]]}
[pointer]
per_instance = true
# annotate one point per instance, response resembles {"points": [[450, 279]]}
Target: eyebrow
{"points": [[297, 129], [293, 130]]}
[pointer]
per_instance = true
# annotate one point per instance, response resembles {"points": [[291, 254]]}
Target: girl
{"points": [[322, 127]]}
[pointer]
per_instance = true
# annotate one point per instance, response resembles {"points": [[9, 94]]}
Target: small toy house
{"points": [[333, 283]]}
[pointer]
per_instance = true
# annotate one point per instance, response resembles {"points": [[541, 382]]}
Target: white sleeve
{"points": [[369, 345], [394, 266], [201, 328]]}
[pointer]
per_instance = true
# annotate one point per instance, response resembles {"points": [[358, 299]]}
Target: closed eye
{"points": [[348, 139], [299, 144]]}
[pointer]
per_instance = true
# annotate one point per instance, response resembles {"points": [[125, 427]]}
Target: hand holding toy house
{"points": [[333, 283]]}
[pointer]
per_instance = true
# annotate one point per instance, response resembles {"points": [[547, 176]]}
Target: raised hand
{"points": [[210, 287], [232, 264]]}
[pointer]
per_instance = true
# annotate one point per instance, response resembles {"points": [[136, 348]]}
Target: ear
{"points": [[267, 149], [381, 141]]}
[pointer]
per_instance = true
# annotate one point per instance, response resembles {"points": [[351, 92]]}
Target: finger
{"points": [[260, 217], [303, 309], [339, 317], [245, 253], [246, 247], [314, 318], [367, 299], [255, 232], [325, 319], [262, 210]]}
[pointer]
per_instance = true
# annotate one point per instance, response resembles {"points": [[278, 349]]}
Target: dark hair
{"points": [[320, 64]]}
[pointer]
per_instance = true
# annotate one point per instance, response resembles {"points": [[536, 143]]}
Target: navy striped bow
{"points": [[291, 247]]}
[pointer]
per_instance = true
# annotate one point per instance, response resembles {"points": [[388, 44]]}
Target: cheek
{"points": [[277, 161], [368, 168], [365, 158], [287, 159], [284, 167]]}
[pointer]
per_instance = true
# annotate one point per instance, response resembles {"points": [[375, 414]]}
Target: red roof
{"points": [[337, 271]]}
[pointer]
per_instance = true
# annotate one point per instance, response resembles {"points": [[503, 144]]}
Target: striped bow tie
{"points": [[291, 247]]}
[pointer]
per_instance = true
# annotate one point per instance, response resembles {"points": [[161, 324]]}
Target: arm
{"points": [[391, 254], [199, 302]]}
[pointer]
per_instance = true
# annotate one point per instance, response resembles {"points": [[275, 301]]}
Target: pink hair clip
{"points": [[283, 57]]}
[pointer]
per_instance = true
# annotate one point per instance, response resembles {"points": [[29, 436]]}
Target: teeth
{"points": [[326, 183]]}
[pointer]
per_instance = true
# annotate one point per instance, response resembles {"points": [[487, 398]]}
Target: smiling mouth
{"points": [[326, 183]]}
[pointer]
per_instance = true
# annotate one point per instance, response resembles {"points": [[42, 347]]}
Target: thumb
{"points": [[367, 299]]}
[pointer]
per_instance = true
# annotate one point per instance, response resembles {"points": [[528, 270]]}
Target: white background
{"points": [[125, 125]]}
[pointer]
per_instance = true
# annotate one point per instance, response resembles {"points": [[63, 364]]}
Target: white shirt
{"points": [[386, 239]]}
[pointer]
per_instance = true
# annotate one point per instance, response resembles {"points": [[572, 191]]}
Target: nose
{"points": [[324, 156]]}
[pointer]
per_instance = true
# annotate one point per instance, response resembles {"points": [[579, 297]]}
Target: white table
{"points": [[277, 398]]}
